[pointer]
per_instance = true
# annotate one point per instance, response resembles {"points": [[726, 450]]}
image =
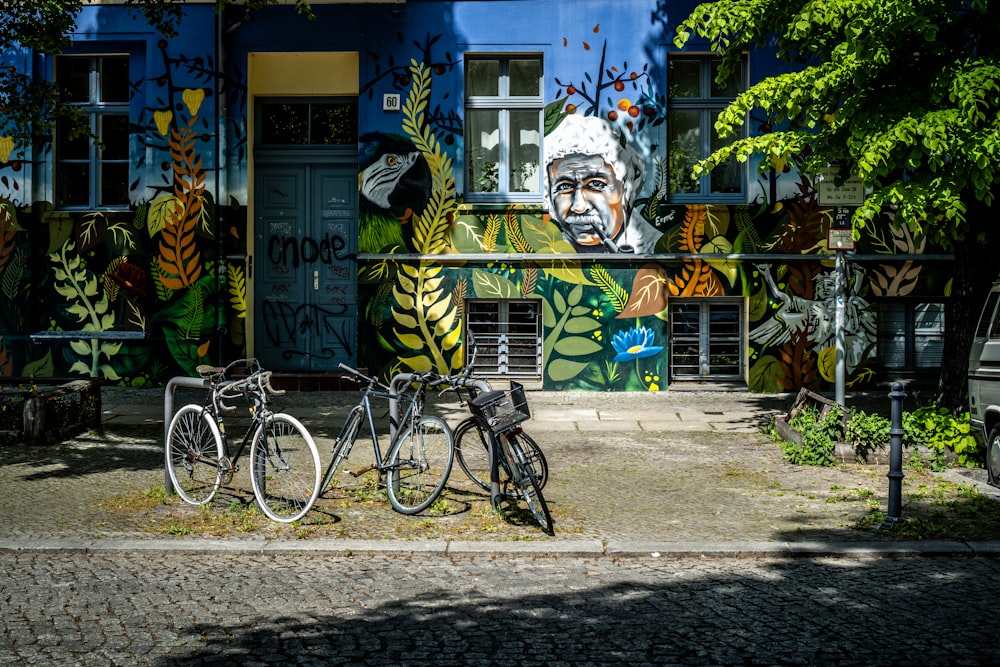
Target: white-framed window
{"points": [[694, 101], [706, 339], [503, 127], [92, 172], [910, 335], [508, 334]]}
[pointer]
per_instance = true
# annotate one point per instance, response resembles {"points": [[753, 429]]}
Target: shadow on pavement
{"points": [[121, 447], [650, 611]]}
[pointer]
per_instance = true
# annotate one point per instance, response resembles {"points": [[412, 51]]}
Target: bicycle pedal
{"points": [[362, 471]]}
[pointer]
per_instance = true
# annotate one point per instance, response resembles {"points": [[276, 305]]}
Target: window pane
{"points": [[685, 318], [524, 147], [73, 184], [987, 317], [892, 335], [483, 146], [725, 177], [482, 78], [71, 149], [334, 123], [285, 124], [683, 77], [114, 184], [525, 77], [73, 74], [724, 358], [928, 330], [724, 321], [114, 79], [113, 131], [733, 84], [684, 144]]}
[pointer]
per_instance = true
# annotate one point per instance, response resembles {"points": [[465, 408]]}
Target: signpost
{"points": [[843, 198]]}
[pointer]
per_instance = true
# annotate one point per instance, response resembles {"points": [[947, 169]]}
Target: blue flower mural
{"points": [[636, 343]]}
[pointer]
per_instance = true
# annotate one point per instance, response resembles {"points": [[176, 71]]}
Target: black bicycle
{"points": [[472, 445], [499, 415], [284, 461], [421, 450]]}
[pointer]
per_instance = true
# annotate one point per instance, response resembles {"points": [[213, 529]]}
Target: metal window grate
{"points": [[508, 337]]}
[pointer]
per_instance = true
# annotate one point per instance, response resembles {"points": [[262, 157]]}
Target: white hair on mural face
{"points": [[590, 135]]}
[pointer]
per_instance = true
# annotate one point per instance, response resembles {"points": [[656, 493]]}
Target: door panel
{"points": [[337, 295], [305, 309]]}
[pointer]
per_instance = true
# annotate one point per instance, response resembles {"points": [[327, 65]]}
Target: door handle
{"points": [[316, 280]]}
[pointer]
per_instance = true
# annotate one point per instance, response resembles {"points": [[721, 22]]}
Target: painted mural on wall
{"points": [[146, 281], [605, 323], [171, 268]]}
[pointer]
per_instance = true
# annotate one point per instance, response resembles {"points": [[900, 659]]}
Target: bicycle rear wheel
{"points": [[525, 479], [194, 449], [419, 465], [473, 454], [284, 468]]}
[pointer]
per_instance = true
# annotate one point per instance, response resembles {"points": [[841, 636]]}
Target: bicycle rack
{"points": [[168, 413]]}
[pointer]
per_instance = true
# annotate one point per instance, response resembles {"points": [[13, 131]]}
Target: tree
{"points": [[904, 95], [31, 105]]}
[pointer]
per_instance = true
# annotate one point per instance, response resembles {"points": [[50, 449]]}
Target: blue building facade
{"points": [[370, 186]]}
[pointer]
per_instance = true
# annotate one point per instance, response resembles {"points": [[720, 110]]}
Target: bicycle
{"points": [[499, 415], [472, 440], [420, 453], [284, 461]]}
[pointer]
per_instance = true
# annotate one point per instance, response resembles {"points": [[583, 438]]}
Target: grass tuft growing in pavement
{"points": [[933, 509]]}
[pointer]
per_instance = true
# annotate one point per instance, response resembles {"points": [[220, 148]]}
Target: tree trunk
{"points": [[973, 272]]}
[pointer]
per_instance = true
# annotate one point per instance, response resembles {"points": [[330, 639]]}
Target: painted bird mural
{"points": [[395, 185]]}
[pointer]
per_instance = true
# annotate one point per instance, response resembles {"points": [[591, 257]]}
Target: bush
{"points": [[867, 432], [941, 430], [819, 438], [935, 428]]}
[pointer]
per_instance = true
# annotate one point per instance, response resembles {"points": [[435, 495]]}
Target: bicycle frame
{"points": [[259, 412], [365, 404]]}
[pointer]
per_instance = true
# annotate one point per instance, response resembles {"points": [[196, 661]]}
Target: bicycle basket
{"points": [[504, 410]]}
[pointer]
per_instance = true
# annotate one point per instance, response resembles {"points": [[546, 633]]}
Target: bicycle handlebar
{"points": [[257, 383]]}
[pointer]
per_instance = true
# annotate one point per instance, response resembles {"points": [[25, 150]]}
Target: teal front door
{"points": [[305, 266]]}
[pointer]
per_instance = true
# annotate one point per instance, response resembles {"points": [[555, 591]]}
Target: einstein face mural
{"points": [[591, 182]]}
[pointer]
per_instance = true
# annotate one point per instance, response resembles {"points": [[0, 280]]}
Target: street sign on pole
{"points": [[849, 193]]}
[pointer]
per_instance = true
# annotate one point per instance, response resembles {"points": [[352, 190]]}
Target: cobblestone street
{"points": [[675, 518], [173, 608]]}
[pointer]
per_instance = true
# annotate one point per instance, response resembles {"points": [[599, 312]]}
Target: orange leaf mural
{"points": [[180, 260], [696, 277], [798, 363], [649, 294]]}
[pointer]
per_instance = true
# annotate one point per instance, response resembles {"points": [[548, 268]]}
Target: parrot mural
{"points": [[395, 185]]}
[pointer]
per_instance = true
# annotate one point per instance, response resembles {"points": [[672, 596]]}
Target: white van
{"points": [[984, 382]]}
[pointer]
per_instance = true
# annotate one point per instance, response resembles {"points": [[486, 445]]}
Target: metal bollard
{"points": [[895, 474]]}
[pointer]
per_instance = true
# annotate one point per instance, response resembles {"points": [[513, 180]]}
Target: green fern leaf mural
{"points": [[79, 285], [616, 293], [426, 320]]}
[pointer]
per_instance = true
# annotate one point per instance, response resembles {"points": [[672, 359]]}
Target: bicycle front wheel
{"points": [[419, 465], [473, 454], [525, 479], [284, 468], [194, 449]]}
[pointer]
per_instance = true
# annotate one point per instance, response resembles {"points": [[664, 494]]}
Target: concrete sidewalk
{"points": [[679, 472]]}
